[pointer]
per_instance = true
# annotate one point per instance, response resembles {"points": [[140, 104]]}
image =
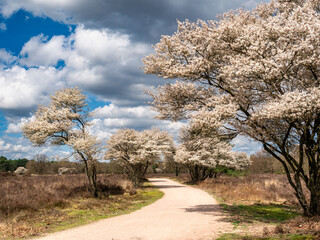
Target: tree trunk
{"points": [[177, 170], [136, 172], [94, 181], [314, 208], [310, 205], [198, 173], [92, 178], [145, 170]]}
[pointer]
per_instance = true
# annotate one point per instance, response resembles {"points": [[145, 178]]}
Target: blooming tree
{"points": [[262, 68], [170, 164], [135, 150], [65, 121], [204, 149]]}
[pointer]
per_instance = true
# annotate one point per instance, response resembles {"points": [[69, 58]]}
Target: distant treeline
{"points": [[42, 165], [261, 163], [11, 165]]}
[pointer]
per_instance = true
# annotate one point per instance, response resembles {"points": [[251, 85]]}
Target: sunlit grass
{"points": [[260, 213]]}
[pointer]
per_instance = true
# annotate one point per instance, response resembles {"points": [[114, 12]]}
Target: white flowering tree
{"points": [[135, 150], [261, 67], [204, 149], [65, 121]]}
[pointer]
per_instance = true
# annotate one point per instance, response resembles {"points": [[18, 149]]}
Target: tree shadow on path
{"points": [[166, 186], [156, 180], [211, 209]]}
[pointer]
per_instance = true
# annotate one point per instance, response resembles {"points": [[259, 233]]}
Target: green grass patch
{"points": [[259, 213], [233, 236]]}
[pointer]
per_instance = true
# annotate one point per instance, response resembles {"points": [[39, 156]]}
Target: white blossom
{"points": [[135, 150], [65, 121]]}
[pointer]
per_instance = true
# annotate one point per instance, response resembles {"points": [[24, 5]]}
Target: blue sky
{"points": [[96, 45]]}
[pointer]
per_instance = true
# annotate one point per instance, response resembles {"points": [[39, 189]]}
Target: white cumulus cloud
{"points": [[110, 118], [25, 88], [39, 51]]}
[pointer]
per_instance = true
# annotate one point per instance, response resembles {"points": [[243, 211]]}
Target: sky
{"points": [[96, 45]]}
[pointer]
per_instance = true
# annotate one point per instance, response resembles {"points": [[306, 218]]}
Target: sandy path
{"points": [[184, 213]]}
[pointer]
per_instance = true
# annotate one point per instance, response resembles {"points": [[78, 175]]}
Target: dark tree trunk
{"points": [[198, 173], [136, 172], [177, 170], [299, 175], [94, 181], [92, 176]]}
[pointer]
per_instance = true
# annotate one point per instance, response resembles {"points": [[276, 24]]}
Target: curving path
{"points": [[184, 213]]}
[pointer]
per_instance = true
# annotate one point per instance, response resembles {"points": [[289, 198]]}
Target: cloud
{"points": [[6, 58], [244, 144], [16, 123], [39, 51], [7, 147], [19, 147], [251, 4], [104, 63], [3, 27], [14, 148], [113, 111], [145, 20], [108, 64], [110, 118], [25, 88]]}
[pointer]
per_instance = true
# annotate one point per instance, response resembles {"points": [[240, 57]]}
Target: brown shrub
{"points": [[262, 162], [31, 193]]}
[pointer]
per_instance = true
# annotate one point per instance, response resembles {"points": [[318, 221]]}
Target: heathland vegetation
{"points": [[34, 204]]}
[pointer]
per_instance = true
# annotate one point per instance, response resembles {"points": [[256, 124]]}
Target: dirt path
{"points": [[184, 213]]}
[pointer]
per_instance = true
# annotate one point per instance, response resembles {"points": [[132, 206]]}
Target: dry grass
{"points": [[256, 188], [31, 193]]}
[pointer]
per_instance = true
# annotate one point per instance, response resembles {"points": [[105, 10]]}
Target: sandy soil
{"points": [[184, 213]]}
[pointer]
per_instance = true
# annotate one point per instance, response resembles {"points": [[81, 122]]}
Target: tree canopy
{"points": [[135, 150], [65, 121], [255, 73]]}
